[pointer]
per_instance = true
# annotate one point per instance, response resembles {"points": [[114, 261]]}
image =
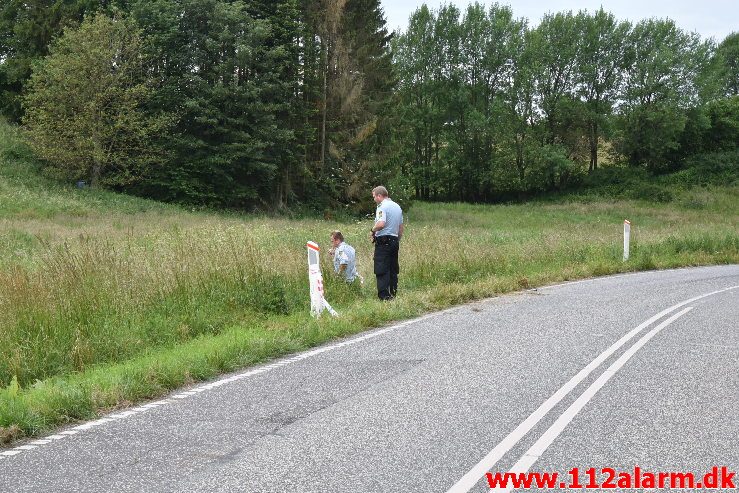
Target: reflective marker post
{"points": [[627, 238], [317, 302]]}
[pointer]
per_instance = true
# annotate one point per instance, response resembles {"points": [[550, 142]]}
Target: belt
{"points": [[386, 239]]}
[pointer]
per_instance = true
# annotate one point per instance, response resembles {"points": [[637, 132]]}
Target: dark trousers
{"points": [[386, 266]]}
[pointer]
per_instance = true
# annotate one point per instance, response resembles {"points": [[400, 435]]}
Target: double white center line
{"points": [[469, 480]]}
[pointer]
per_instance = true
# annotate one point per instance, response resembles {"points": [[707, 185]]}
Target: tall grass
{"points": [[123, 299]]}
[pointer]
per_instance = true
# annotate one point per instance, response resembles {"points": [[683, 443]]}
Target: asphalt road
{"points": [[614, 372]]}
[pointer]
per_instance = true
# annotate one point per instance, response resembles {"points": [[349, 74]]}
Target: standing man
{"points": [[345, 258], [386, 234]]}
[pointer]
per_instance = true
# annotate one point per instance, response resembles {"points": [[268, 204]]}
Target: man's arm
{"points": [[380, 217], [400, 230], [377, 227]]}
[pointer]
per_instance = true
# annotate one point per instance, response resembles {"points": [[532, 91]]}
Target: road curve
{"points": [[623, 371]]}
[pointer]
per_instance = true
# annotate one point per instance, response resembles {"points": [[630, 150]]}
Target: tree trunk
{"points": [[593, 146], [95, 174], [283, 190], [97, 163], [519, 159], [324, 105]]}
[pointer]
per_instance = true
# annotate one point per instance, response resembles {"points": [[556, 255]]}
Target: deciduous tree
{"points": [[86, 105]]}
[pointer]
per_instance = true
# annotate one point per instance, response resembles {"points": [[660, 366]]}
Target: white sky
{"points": [[709, 18]]}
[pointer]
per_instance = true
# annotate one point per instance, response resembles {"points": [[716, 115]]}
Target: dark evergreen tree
{"points": [[226, 73], [348, 83], [282, 71], [26, 31], [363, 96]]}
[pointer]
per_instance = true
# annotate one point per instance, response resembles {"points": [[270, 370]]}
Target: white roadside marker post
{"points": [[317, 302], [627, 238]]}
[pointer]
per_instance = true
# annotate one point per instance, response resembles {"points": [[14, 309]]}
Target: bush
{"points": [[650, 192], [12, 146], [715, 168], [615, 175]]}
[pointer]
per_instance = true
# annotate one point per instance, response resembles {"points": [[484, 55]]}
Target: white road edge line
{"points": [[541, 445], [619, 275], [469, 480]]}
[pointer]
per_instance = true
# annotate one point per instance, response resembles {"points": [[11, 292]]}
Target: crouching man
{"points": [[345, 258]]}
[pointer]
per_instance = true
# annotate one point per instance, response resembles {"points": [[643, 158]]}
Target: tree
{"points": [[334, 61], [713, 127], [230, 76], [284, 97], [488, 40], [432, 95], [728, 52], [557, 40], [447, 97], [471, 96], [85, 107], [354, 79], [364, 93], [661, 83], [522, 116], [600, 68]]}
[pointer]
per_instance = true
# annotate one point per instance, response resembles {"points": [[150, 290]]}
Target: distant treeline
{"points": [[493, 108], [273, 104]]}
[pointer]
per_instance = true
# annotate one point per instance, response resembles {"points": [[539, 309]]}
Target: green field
{"points": [[106, 300]]}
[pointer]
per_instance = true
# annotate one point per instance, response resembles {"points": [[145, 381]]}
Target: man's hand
{"points": [[372, 236]]}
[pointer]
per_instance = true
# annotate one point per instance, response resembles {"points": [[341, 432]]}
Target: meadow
{"points": [[107, 300]]}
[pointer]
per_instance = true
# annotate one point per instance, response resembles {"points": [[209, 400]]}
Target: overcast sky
{"points": [[709, 18]]}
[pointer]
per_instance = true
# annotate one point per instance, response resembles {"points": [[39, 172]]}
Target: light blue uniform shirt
{"points": [[345, 255], [392, 214]]}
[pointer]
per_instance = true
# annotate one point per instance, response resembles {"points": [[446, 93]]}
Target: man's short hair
{"points": [[382, 191], [337, 235]]}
